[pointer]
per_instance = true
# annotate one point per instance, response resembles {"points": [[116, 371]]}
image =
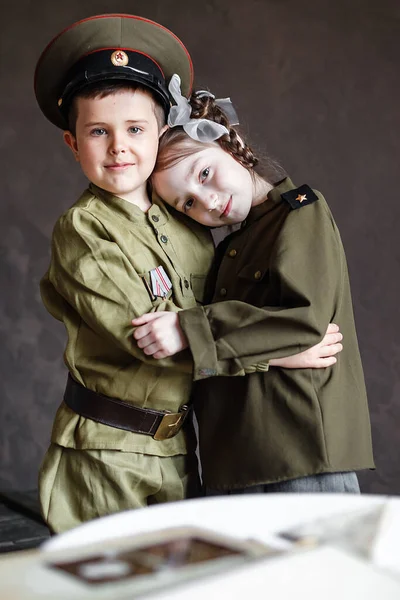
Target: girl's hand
{"points": [[159, 334], [318, 357]]}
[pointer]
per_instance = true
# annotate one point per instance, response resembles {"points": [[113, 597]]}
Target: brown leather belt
{"points": [[123, 415]]}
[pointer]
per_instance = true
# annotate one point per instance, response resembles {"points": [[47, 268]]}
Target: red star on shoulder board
{"points": [[299, 197]]}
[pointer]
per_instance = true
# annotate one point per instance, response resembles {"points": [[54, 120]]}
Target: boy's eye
{"points": [[134, 129], [204, 174], [98, 131], [188, 204]]}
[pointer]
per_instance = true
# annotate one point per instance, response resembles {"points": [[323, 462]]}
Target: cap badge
{"points": [[301, 197], [119, 58]]}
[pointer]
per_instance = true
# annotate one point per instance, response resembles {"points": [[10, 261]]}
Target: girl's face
{"points": [[210, 186]]}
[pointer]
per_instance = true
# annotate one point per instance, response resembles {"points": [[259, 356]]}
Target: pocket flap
{"points": [[252, 273]]}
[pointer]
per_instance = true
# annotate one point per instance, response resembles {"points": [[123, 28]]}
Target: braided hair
{"points": [[203, 107]]}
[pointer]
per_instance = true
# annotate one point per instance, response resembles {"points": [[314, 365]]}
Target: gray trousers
{"points": [[340, 483]]}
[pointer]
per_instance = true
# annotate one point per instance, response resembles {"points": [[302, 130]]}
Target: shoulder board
{"points": [[300, 197]]}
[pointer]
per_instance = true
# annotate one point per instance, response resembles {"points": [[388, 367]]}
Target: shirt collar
{"points": [[275, 195], [131, 211]]}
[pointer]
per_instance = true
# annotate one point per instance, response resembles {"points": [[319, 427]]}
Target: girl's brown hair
{"points": [[205, 107]]}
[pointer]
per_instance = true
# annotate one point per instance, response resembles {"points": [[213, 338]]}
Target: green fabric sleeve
{"points": [[90, 278], [306, 268]]}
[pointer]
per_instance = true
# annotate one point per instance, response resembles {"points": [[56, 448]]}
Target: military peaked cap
{"points": [[110, 47]]}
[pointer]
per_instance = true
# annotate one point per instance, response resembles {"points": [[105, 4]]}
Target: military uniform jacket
{"points": [[103, 249], [281, 279]]}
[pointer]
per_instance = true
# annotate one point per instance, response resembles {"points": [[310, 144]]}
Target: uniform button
{"points": [[223, 292], [257, 275], [155, 218], [232, 253], [186, 284], [164, 239]]}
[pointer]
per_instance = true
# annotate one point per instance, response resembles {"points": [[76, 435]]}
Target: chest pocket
{"points": [[254, 274], [197, 283], [252, 284]]}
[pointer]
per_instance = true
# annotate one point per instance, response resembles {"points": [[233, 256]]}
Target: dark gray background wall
{"points": [[317, 84]]}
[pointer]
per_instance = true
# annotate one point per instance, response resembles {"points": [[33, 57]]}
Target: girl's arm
{"points": [[308, 269], [160, 335]]}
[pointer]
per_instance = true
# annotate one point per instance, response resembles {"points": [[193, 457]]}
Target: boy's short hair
{"points": [[107, 88]]}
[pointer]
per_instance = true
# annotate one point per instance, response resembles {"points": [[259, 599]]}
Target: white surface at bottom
{"points": [[326, 573], [255, 516], [322, 574]]}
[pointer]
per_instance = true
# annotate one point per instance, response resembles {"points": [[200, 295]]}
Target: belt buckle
{"points": [[171, 423]]}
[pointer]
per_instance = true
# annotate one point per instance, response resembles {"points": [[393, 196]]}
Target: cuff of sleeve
{"points": [[201, 341], [261, 367]]}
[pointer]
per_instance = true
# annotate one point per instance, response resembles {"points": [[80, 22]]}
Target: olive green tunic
{"points": [[282, 278], [102, 248]]}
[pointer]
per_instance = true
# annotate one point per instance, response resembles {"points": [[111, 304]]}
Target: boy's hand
{"points": [[318, 357], [159, 334]]}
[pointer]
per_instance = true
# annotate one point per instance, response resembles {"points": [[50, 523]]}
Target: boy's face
{"points": [[116, 142]]}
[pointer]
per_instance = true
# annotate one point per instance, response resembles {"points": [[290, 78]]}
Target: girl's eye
{"points": [[98, 131], [188, 204], [134, 129], [204, 174]]}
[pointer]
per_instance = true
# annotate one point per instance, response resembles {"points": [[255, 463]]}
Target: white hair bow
{"points": [[201, 130]]}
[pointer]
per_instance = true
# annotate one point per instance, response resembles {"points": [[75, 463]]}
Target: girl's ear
{"points": [[162, 130], [70, 140]]}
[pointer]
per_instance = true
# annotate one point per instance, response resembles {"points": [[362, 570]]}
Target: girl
{"points": [[276, 282]]}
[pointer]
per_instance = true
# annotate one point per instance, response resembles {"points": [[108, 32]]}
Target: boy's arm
{"points": [[91, 274]]}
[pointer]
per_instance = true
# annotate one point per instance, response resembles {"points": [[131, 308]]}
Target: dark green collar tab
{"points": [[299, 197]]}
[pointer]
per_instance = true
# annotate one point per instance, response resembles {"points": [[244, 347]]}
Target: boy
{"points": [[120, 439], [115, 253]]}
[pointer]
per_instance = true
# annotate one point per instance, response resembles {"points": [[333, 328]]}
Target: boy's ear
{"points": [[162, 130], [70, 140]]}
